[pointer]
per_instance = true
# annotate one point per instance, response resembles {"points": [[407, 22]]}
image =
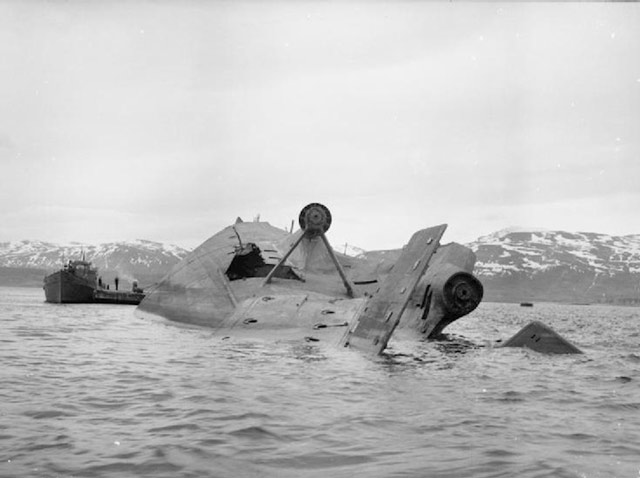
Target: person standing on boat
{"points": [[117, 280]]}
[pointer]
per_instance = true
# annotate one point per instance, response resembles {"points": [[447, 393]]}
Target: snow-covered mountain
{"points": [[557, 265], [144, 261], [514, 265]]}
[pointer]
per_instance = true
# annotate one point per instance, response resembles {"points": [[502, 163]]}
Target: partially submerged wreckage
{"points": [[252, 278]]}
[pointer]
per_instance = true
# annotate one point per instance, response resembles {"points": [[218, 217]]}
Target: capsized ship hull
{"points": [[254, 279]]}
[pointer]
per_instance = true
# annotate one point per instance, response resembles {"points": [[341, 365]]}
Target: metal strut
{"points": [[284, 258], [343, 276], [314, 220]]}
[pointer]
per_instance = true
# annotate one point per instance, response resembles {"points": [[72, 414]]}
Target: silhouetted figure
{"points": [[117, 280]]}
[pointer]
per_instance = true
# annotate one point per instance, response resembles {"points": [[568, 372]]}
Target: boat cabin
{"points": [[82, 269]]}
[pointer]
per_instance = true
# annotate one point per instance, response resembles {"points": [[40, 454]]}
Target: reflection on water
{"points": [[93, 391]]}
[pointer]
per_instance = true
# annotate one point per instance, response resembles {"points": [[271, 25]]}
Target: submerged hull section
{"points": [[63, 287]]}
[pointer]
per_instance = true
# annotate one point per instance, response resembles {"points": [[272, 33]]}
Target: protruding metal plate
{"points": [[382, 312]]}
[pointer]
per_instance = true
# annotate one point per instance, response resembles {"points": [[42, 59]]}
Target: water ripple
{"points": [[96, 392]]}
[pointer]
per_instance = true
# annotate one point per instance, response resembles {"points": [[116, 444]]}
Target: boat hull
{"points": [[62, 287], [117, 297]]}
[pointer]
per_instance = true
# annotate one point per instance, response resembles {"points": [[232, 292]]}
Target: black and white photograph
{"points": [[319, 239]]}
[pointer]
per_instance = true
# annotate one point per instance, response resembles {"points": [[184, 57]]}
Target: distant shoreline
{"points": [[21, 277]]}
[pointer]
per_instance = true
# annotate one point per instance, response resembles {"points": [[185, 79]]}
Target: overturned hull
{"points": [[253, 278]]}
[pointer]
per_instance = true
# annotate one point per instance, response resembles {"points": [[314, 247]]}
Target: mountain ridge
{"points": [[580, 267], [514, 264], [141, 260]]}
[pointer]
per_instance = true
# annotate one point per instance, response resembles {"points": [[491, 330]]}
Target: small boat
{"points": [[526, 304], [78, 283]]}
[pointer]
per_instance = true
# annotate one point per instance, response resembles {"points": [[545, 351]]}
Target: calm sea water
{"points": [[95, 391]]}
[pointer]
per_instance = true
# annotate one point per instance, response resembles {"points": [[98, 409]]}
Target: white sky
{"points": [[165, 120]]}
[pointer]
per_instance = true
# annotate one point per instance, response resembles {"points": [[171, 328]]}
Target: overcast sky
{"points": [[165, 120]]}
